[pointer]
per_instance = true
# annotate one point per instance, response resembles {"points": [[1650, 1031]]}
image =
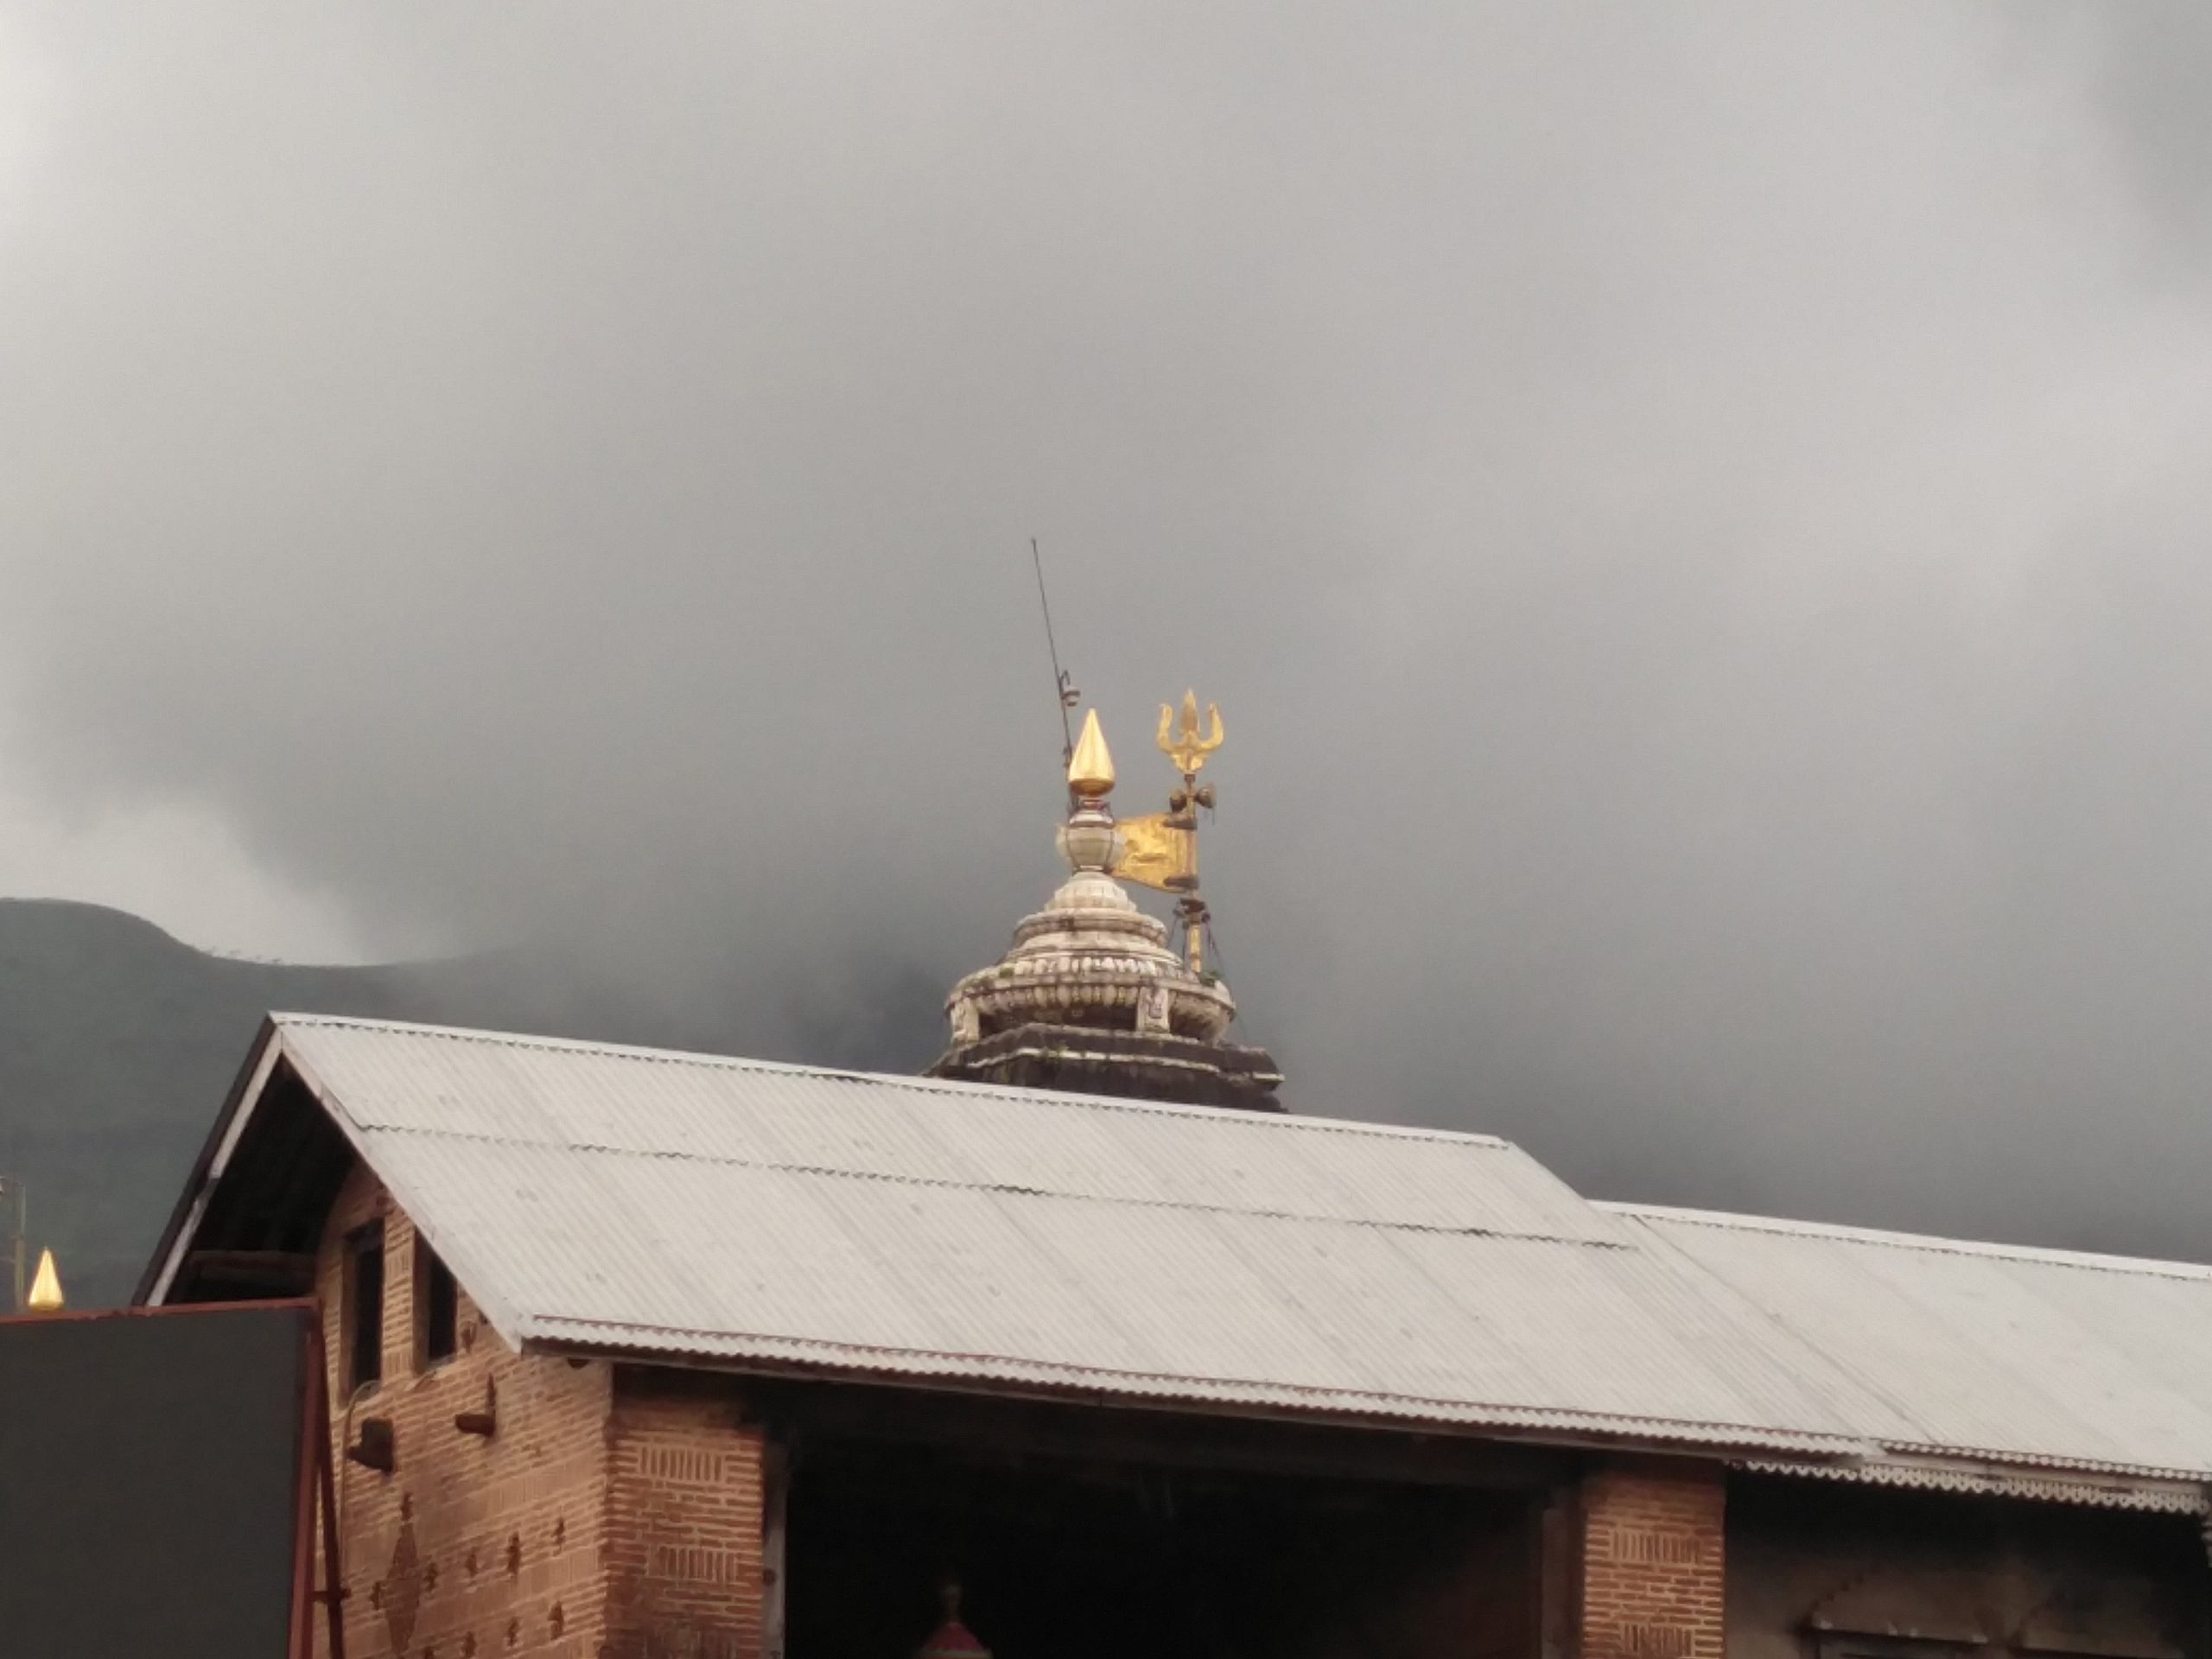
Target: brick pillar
{"points": [[688, 1528], [1653, 1570]]}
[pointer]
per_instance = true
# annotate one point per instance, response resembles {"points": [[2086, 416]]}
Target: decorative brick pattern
{"points": [[1653, 1562], [482, 1537], [686, 1510]]}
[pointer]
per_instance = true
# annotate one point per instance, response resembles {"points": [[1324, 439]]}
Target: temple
{"points": [[1080, 1346]]}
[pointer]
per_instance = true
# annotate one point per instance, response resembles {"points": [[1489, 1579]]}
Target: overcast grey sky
{"points": [[1695, 515]]}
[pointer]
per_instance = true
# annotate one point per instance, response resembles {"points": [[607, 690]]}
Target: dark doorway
{"points": [[1066, 1561]]}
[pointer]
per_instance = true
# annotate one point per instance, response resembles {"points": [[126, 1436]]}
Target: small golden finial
{"points": [[45, 1287], [1090, 771], [1188, 748]]}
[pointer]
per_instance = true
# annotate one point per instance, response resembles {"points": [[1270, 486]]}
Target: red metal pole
{"points": [[333, 1578], [300, 1639]]}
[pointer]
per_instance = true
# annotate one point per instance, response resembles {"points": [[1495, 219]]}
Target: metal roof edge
{"points": [[244, 1093], [2175, 1497], [1932, 1244], [608, 1339]]}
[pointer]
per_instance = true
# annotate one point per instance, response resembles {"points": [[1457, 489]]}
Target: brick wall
{"points": [[595, 1521], [633, 1513], [473, 1547], [1653, 1570], [688, 1507]]}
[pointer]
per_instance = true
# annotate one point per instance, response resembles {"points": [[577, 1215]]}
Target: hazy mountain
{"points": [[118, 1044]]}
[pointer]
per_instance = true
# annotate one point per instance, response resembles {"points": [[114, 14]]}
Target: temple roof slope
{"points": [[675, 1204], [1943, 1348], [772, 1217]]}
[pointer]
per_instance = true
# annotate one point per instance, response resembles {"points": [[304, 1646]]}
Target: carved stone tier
{"points": [[1089, 1060], [1090, 959]]}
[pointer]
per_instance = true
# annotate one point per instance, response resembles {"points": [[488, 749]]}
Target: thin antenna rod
{"points": [[1062, 692]]}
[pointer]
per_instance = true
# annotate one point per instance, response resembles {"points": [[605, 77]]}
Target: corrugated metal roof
{"points": [[1932, 1347], [739, 1211], [762, 1215]]}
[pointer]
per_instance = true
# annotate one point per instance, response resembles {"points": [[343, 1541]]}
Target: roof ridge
{"points": [[644, 1053], [1925, 1243]]}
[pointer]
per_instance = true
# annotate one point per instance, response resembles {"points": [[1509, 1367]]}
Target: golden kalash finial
{"points": [[1090, 768], [1089, 840], [45, 1287]]}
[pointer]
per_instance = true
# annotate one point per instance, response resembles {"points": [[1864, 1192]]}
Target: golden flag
{"points": [[1155, 853]]}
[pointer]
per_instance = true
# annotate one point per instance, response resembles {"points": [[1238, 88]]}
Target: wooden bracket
{"points": [[376, 1447], [486, 1421]]}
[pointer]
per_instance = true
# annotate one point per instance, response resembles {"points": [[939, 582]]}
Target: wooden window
{"points": [[436, 1307], [364, 1306]]}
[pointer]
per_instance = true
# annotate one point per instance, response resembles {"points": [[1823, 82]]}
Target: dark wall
{"points": [[1830, 1571], [1101, 1560], [149, 1483]]}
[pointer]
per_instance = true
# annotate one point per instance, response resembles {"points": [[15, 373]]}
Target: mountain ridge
{"points": [[118, 1043]]}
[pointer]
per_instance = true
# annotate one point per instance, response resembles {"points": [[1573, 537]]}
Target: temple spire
{"points": [[1091, 997]]}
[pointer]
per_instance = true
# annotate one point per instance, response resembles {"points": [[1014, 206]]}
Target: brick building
{"points": [[643, 1353], [655, 1353]]}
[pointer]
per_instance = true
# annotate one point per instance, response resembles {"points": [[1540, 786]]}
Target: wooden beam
{"points": [[280, 1272]]}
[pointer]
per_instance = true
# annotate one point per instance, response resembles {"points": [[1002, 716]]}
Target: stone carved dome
{"points": [[1090, 959]]}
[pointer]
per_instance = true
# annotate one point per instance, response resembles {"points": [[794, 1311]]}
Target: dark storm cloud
{"points": [[1693, 518]]}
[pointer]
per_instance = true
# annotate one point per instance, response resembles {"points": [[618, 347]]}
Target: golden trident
{"points": [[1187, 749], [1161, 849]]}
